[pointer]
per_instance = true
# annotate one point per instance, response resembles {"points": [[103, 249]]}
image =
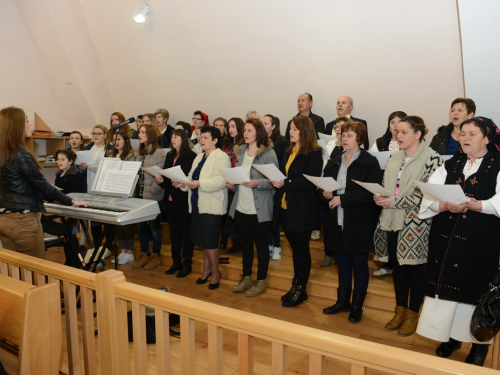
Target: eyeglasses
{"points": [[195, 118], [96, 133]]}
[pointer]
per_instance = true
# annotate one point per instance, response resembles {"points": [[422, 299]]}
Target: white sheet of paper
{"points": [[236, 175], [375, 189], [442, 193], [117, 181], [270, 171], [175, 174], [166, 150], [153, 171], [446, 157], [135, 144], [87, 157], [326, 137], [322, 143], [324, 183], [382, 157]]}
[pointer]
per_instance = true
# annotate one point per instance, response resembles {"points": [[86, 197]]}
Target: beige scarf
{"points": [[392, 219]]}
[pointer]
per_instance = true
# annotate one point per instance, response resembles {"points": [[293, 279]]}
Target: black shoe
{"points": [[356, 307], [446, 349], [236, 246], [298, 297], [216, 285], [343, 303], [477, 354], [173, 269], [184, 272], [223, 241], [203, 281], [292, 289]]}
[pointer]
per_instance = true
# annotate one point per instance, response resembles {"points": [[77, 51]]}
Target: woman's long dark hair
{"points": [[126, 148], [184, 145], [230, 141]]}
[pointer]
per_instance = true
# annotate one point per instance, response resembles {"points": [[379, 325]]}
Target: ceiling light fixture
{"points": [[140, 16]]}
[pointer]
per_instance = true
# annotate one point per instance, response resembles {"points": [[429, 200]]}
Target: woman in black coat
{"points": [[295, 202], [176, 202], [353, 218]]}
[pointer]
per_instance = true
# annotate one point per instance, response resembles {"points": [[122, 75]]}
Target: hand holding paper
{"points": [[174, 173], [235, 175], [442, 193]]}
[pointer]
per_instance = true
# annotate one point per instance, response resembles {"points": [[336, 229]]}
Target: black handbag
{"points": [[485, 321]]}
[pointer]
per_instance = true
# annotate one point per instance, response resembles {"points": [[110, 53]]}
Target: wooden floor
{"points": [[322, 293]]}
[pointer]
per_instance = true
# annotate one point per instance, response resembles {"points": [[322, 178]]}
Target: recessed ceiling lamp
{"points": [[140, 17]]}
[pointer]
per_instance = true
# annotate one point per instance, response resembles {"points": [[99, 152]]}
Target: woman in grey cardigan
{"points": [[252, 206]]}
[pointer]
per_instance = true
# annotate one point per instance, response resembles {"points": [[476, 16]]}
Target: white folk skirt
{"points": [[441, 319]]}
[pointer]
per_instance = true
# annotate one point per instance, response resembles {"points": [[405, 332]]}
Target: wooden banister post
{"points": [[245, 354], [112, 324], [215, 355], [187, 346], [316, 364], [279, 364], [495, 354]]}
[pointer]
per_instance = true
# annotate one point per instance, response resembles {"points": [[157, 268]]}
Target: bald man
{"points": [[304, 105], [345, 106]]}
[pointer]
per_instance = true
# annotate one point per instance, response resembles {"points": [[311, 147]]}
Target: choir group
{"points": [[442, 254]]}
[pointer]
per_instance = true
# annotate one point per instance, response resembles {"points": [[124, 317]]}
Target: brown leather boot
{"points": [[141, 262], [409, 326], [153, 263], [398, 319]]}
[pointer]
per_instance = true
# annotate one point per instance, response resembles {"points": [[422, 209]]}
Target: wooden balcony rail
{"points": [[115, 294]]}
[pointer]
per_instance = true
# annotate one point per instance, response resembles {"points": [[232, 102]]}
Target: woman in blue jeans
{"points": [[150, 154]]}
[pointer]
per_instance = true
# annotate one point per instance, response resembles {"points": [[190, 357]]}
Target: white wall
{"points": [[480, 28], [226, 57]]}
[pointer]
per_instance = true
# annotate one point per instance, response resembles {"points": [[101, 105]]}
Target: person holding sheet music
{"points": [[150, 154], [207, 199], [400, 234], [353, 218], [23, 187], [235, 129], [463, 242], [124, 233], [280, 146], [295, 202], [252, 206], [388, 142], [99, 147], [176, 201]]}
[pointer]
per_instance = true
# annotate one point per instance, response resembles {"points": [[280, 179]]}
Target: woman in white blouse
{"points": [[388, 141], [463, 242]]}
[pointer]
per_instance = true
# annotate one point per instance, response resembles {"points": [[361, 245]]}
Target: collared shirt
{"points": [[342, 180]]}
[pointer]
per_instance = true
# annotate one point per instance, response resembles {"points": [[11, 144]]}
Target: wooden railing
{"points": [[114, 294]]}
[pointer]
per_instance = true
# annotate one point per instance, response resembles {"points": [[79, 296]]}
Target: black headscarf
{"points": [[491, 130]]}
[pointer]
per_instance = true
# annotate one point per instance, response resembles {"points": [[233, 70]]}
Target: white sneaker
{"points": [[277, 253], [127, 258], [271, 250], [315, 235], [384, 271], [120, 256]]}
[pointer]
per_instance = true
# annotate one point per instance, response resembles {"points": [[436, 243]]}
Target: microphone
{"points": [[129, 121]]}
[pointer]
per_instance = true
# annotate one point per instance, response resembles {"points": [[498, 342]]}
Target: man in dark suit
{"points": [[165, 130], [304, 105], [344, 109]]}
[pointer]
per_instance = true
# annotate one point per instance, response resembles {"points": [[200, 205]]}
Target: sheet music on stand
{"points": [[116, 177]]}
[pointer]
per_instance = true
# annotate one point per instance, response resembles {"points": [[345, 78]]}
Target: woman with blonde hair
{"points": [[22, 187]]}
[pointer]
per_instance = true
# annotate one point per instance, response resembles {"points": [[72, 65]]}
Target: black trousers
{"points": [[349, 264], [409, 280], [299, 242], [252, 231], [179, 221]]}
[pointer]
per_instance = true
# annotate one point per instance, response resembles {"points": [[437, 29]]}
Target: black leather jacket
{"points": [[23, 187]]}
